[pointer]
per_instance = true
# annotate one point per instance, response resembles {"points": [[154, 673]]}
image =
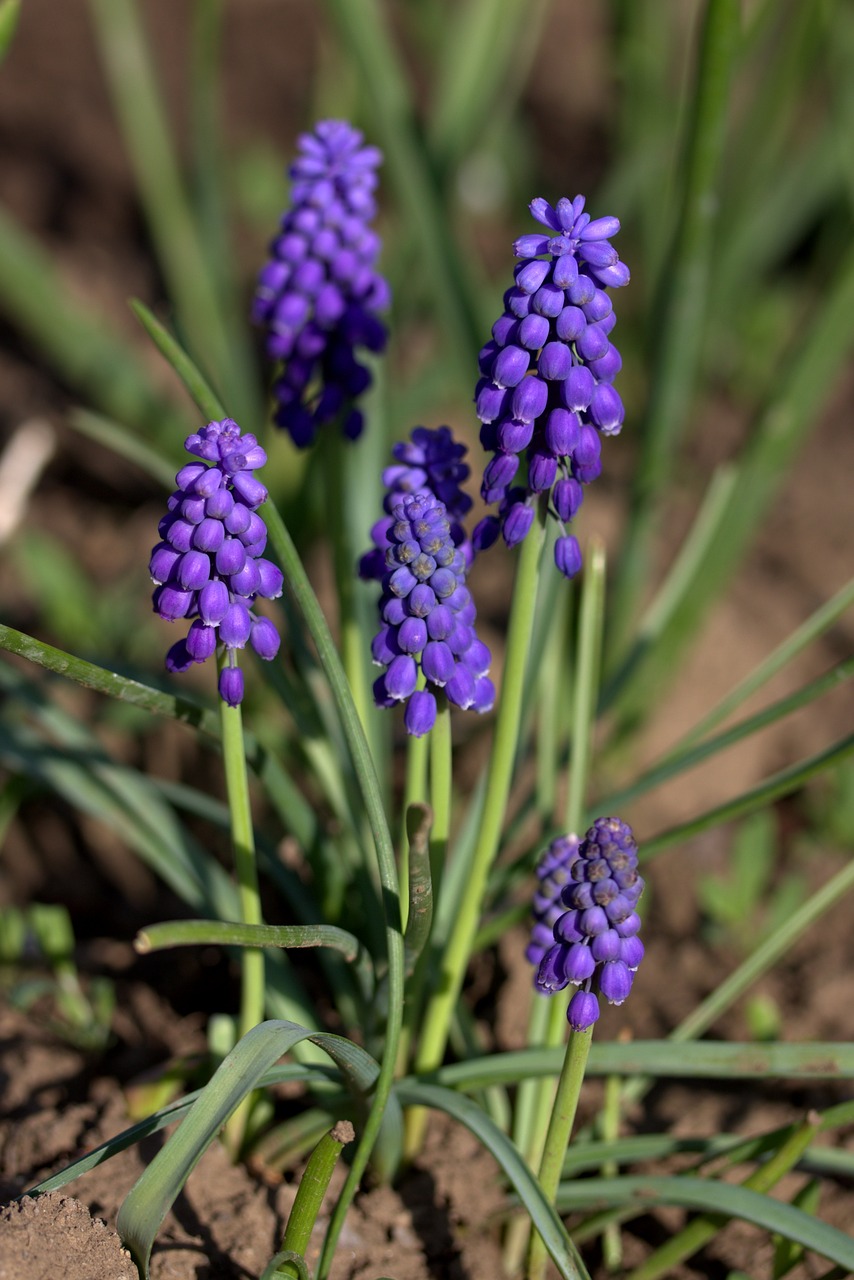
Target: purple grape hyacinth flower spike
{"points": [[431, 461], [591, 941], [209, 566], [318, 296], [427, 641], [546, 389]]}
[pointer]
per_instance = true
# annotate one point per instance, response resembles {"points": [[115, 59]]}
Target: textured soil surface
{"points": [[64, 177]]}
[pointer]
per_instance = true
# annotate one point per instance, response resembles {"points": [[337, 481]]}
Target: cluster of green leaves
{"points": [[717, 209]]}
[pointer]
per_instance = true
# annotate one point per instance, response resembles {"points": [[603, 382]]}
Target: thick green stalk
{"points": [[372, 796], [414, 792], [312, 1188], [354, 652], [246, 870], [682, 306], [558, 1135], [440, 1010], [535, 1096]]}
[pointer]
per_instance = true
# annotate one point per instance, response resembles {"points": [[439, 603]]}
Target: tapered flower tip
{"points": [[615, 981], [231, 686], [420, 714], [583, 1011], [551, 975], [568, 556]]}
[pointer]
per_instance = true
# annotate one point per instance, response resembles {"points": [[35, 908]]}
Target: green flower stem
{"points": [[441, 753], [365, 771], [352, 642], [609, 1124], [440, 1010], [547, 1027], [414, 792], [246, 870], [558, 1135], [441, 780], [312, 1188]]}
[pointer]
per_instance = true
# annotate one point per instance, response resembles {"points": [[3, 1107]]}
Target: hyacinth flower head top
{"points": [[586, 925], [431, 461], [426, 641], [209, 566], [546, 389], [318, 296]]}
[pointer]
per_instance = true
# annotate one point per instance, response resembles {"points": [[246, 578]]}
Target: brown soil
{"points": [[65, 178]]}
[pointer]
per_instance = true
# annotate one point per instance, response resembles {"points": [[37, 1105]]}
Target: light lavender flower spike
{"points": [[586, 925], [546, 389], [319, 295], [209, 567]]}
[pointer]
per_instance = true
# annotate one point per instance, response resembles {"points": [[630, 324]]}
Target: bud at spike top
{"points": [[585, 923], [209, 567], [431, 461], [548, 372], [319, 294]]}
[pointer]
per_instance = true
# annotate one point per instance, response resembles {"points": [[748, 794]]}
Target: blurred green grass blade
{"points": [[110, 683], [678, 761], [292, 1073], [204, 398], [694, 1060], [117, 437], [293, 808], [824, 343], [681, 308], [820, 621], [138, 102], [149, 1200], [364, 31], [786, 1254], [80, 344], [773, 788], [208, 177], [703, 1228], [563, 1252], [482, 63], [10, 11], [709, 1195]]}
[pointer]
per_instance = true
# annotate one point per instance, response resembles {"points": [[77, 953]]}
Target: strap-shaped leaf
{"points": [[151, 1197], [710, 1196], [563, 1252]]}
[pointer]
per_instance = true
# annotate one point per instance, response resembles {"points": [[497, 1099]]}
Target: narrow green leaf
{"points": [[80, 344], [706, 1194], [707, 1059], [138, 101], [365, 32], [681, 308], [149, 1200], [773, 788], [205, 399], [681, 759], [564, 1254], [117, 437], [9, 13]]}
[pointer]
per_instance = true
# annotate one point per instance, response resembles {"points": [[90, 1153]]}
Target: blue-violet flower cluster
{"points": [[427, 618], [547, 385], [318, 295], [209, 565], [595, 937], [430, 462]]}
